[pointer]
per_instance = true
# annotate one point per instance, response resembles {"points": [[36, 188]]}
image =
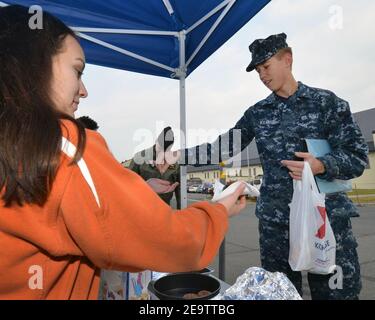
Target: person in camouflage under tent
{"points": [[158, 167], [279, 124]]}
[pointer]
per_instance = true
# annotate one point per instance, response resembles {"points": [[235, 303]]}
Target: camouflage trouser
{"points": [[274, 254]]}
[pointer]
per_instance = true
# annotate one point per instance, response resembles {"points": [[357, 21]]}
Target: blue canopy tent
{"points": [[167, 38]]}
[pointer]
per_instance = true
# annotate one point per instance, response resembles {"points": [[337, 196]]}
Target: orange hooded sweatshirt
{"points": [[56, 251]]}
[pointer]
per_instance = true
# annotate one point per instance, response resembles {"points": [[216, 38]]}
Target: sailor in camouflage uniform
{"points": [[279, 123]]}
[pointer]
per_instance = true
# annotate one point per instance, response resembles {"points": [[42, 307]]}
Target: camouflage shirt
{"points": [[279, 126], [148, 170]]}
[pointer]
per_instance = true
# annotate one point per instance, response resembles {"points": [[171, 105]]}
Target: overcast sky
{"points": [[333, 46]]}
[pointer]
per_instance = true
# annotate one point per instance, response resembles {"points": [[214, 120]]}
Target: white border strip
{"points": [[208, 15], [212, 29], [125, 52], [168, 6], [126, 31], [70, 149]]}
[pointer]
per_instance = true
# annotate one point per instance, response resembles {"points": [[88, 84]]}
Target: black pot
{"points": [[175, 286], [205, 271]]}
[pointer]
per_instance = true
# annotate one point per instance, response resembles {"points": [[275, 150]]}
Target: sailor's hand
{"points": [[296, 167]]}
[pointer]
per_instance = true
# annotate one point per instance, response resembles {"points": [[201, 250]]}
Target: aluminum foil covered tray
{"points": [[259, 284]]}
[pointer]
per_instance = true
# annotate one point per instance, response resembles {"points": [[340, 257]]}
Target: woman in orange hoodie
{"points": [[67, 207]]}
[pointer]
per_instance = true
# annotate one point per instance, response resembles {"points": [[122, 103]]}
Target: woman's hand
{"points": [[235, 202]]}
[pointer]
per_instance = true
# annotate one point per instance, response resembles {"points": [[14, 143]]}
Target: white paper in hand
{"points": [[219, 193]]}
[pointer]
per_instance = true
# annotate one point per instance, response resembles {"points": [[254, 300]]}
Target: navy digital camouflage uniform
{"points": [[279, 126]]}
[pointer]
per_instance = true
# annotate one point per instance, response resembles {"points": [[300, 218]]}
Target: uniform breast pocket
{"points": [[269, 138], [310, 125], [267, 128]]}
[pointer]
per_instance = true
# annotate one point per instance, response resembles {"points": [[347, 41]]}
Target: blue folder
{"points": [[318, 148]]}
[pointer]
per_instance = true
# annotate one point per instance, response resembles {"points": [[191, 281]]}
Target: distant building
{"points": [[208, 173], [366, 121]]}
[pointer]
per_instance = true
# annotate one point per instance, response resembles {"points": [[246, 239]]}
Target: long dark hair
{"points": [[30, 125]]}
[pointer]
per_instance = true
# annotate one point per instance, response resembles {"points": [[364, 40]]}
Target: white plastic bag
{"points": [[312, 242]]}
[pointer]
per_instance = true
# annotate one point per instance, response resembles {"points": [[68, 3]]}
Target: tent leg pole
{"points": [[183, 169], [222, 261], [182, 76], [222, 246]]}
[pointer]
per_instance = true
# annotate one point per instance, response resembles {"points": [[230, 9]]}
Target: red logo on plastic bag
{"points": [[322, 230]]}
